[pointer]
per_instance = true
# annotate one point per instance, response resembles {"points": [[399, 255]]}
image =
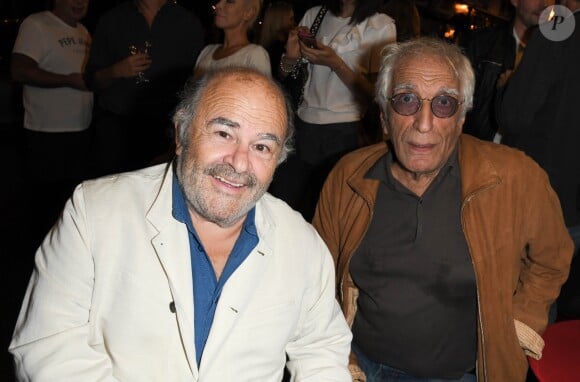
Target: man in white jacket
{"points": [[188, 271]]}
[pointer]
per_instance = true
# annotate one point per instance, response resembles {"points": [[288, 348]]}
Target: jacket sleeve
{"points": [[51, 341], [321, 346], [546, 261]]}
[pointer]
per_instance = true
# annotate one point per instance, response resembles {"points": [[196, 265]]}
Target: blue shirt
{"points": [[206, 287]]}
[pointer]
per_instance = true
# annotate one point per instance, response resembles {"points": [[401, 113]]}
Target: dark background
{"points": [[18, 241]]}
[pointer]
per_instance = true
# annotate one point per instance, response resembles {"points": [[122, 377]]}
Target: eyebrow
{"points": [[451, 91], [234, 125]]}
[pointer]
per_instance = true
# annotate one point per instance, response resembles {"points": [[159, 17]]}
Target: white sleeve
{"points": [[380, 32], [260, 60], [309, 17], [51, 340], [29, 40]]}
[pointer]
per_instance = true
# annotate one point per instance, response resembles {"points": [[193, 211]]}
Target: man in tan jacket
{"points": [[449, 250]]}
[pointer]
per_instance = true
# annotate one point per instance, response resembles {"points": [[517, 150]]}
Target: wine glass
{"points": [[133, 50]]}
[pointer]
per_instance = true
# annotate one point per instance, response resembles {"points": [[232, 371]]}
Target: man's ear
{"points": [[385, 125], [178, 146]]}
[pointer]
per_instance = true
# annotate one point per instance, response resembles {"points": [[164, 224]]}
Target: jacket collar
{"points": [[478, 172]]}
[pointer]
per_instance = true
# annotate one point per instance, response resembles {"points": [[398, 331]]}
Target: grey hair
{"points": [[194, 90], [425, 46]]}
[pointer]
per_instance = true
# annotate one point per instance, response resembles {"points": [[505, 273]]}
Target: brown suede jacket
{"points": [[519, 246]]}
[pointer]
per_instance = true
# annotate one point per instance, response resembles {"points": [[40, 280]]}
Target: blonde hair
{"points": [[257, 5]]}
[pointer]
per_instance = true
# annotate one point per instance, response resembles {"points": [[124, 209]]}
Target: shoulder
{"points": [[118, 13], [256, 51], [380, 21], [82, 29], [124, 189], [508, 163], [255, 48], [379, 27], [287, 223], [210, 47], [297, 247], [310, 15], [492, 33], [181, 13], [484, 40], [208, 50], [364, 152], [35, 19], [361, 159]]}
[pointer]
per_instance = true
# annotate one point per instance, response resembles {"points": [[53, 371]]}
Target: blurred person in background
{"points": [[343, 64], [494, 53], [143, 51], [235, 18], [277, 23], [48, 58], [537, 111], [406, 16]]}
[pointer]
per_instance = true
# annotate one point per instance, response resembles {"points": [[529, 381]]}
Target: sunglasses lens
{"points": [[405, 103], [444, 106]]}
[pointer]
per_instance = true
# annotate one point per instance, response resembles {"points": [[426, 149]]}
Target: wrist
{"points": [[339, 67], [287, 64]]}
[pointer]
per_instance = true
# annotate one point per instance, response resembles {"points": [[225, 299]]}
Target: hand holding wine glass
{"points": [[139, 61]]}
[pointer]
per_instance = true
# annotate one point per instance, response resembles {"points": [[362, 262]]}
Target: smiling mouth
{"points": [[229, 183]]}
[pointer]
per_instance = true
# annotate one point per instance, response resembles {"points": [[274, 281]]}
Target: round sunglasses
{"points": [[442, 106]]}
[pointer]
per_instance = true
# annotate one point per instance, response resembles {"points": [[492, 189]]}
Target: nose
{"points": [[239, 158], [424, 118]]}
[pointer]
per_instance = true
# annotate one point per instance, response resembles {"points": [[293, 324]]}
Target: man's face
{"points": [[233, 147], [529, 11], [422, 141], [71, 11]]}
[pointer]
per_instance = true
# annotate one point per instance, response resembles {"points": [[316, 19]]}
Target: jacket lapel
{"points": [[239, 290], [477, 171], [172, 247]]}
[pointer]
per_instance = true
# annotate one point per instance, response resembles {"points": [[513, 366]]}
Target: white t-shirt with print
{"points": [[62, 49], [326, 98]]}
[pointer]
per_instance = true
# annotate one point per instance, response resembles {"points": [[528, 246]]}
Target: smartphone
{"points": [[307, 38]]}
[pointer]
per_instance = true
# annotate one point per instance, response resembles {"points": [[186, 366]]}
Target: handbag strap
{"points": [[318, 20]]}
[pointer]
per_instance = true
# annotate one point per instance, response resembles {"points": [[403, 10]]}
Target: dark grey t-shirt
{"points": [[417, 302]]}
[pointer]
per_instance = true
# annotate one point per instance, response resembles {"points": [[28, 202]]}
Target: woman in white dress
{"points": [[235, 18]]}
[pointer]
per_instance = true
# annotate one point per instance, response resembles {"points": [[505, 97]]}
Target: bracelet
{"points": [[283, 65]]}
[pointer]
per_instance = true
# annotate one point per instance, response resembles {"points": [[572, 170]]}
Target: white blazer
{"points": [[111, 296]]}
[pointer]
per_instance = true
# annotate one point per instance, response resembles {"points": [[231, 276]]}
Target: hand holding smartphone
{"points": [[307, 38]]}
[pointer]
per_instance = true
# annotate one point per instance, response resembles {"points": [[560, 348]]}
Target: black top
{"points": [[417, 302], [538, 112], [176, 37], [491, 52]]}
